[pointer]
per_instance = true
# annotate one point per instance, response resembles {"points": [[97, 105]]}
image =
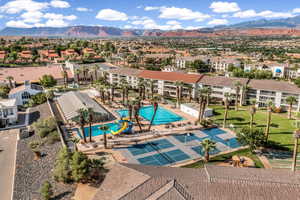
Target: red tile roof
{"points": [[32, 74], [170, 76]]}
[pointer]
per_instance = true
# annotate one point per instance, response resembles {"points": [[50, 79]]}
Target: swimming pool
{"points": [[163, 116], [96, 131]]}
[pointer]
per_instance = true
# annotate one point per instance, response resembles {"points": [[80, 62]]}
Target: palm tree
{"points": [[238, 86], [155, 107], [207, 92], [226, 107], [95, 70], [296, 137], [190, 89], [142, 89], [124, 86], [201, 100], [81, 122], [75, 141], [152, 88], [104, 128], [129, 105], [291, 100], [269, 110], [178, 85], [65, 77], [208, 145], [10, 79], [252, 112], [136, 110], [77, 72], [90, 120]]}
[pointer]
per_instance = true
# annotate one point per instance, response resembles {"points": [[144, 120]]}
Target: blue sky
{"points": [[148, 14]]}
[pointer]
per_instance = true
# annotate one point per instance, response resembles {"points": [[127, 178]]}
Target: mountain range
{"points": [[287, 26]]}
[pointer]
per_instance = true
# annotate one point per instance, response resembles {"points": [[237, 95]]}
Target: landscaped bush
{"points": [[45, 128], [37, 99], [53, 137]]}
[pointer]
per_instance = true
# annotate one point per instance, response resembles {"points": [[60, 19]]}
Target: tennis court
{"points": [[164, 158], [199, 150], [152, 146]]}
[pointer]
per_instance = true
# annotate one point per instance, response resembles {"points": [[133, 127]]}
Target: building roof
{"points": [[7, 103], [222, 81], [32, 74], [273, 85], [211, 182], [23, 87], [170, 76], [125, 71], [71, 102]]}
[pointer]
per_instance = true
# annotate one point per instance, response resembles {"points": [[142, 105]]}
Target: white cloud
{"points": [[111, 15], [181, 14], [224, 7], [193, 27], [266, 14], [56, 23], [296, 10], [59, 4], [151, 24], [82, 9], [17, 24], [148, 8], [17, 6], [56, 16], [218, 22], [32, 17], [128, 26]]}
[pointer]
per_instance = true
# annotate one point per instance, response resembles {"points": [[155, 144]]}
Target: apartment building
{"points": [[165, 84], [182, 62], [275, 91], [220, 85], [222, 64]]}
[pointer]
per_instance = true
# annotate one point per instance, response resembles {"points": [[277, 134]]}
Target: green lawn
{"points": [[281, 132], [222, 158]]}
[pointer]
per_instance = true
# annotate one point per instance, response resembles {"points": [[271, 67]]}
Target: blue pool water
{"points": [[163, 116], [96, 131]]}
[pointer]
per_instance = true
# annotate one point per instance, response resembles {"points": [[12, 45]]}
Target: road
{"points": [[8, 140]]}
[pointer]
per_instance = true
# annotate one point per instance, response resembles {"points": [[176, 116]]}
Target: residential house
{"points": [[23, 93], [8, 112]]}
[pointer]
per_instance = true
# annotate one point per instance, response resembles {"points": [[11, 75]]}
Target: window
{"points": [[25, 95]]}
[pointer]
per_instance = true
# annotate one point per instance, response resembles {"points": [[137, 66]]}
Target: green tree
{"points": [[252, 112], [104, 128], [208, 145], [253, 138], [79, 166], [47, 81], [46, 190], [155, 107], [4, 90], [291, 100], [62, 171], [269, 117], [226, 107]]}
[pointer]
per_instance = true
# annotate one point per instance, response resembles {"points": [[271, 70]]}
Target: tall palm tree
{"points": [[252, 112], [142, 88], [136, 110], [152, 88], [208, 145], [201, 100], [81, 122], [104, 128], [77, 72], [64, 74], [291, 100], [95, 70], [178, 85], [155, 107], [124, 86], [190, 89], [208, 92], [269, 111], [296, 137], [90, 119], [237, 86], [226, 107], [10, 79], [130, 108]]}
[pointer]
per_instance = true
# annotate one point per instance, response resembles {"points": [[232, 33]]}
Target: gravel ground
{"points": [[31, 174]]}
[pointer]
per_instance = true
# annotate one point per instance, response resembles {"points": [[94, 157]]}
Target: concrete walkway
{"points": [[8, 145]]}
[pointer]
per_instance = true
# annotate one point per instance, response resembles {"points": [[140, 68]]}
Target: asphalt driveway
{"points": [[8, 140]]}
